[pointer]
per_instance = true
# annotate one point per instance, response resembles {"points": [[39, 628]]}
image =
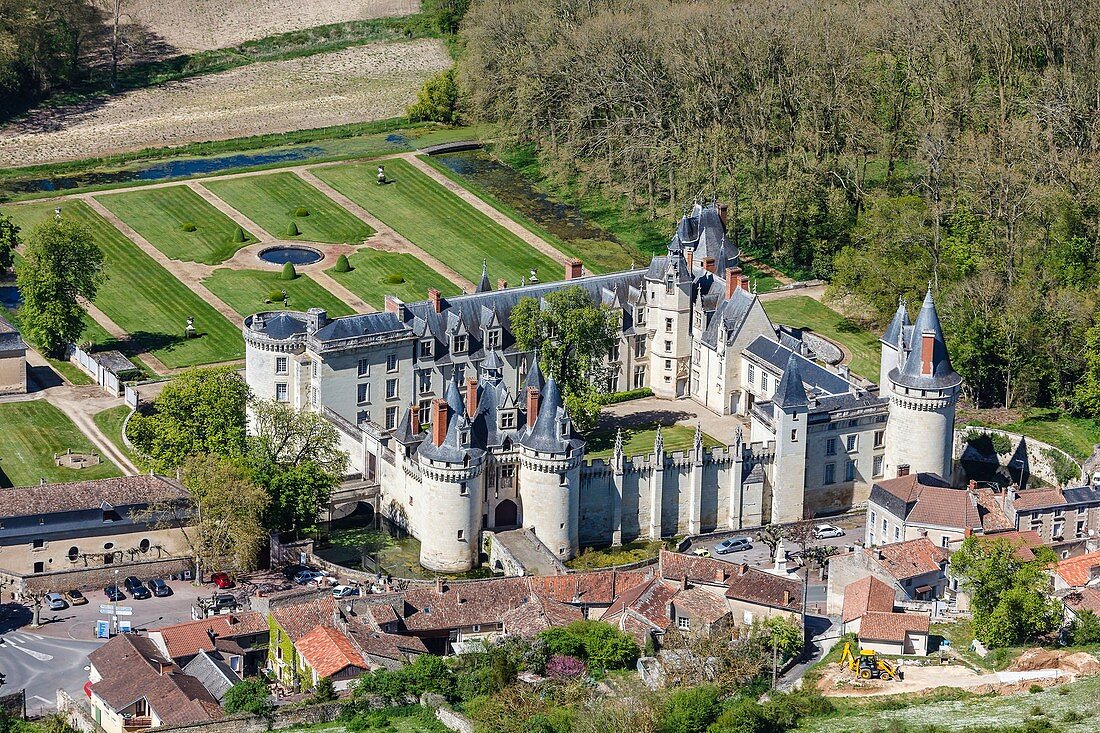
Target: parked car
{"points": [[308, 576], [55, 602], [222, 580], [701, 552], [224, 602], [344, 591], [75, 597], [733, 544], [137, 589], [114, 593], [827, 531], [160, 588]]}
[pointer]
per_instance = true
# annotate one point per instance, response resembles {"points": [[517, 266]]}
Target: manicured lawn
{"points": [[442, 224], [111, 421], [370, 268], [160, 214], [638, 440], [764, 282], [1074, 435], [33, 432], [271, 201], [143, 298], [246, 291], [801, 311]]}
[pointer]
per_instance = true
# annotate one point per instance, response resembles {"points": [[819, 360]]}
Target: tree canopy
{"points": [[61, 264]]}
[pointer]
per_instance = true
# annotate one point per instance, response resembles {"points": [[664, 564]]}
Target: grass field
{"points": [[1075, 435], [442, 224], [143, 298], [271, 202], [371, 267], [33, 432], [111, 421], [638, 440], [593, 559], [804, 312], [159, 215], [246, 291]]}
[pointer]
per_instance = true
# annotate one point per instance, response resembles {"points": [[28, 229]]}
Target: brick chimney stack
{"points": [[502, 284], [723, 214], [439, 421], [710, 264], [436, 298], [690, 256], [414, 419], [471, 396], [532, 406], [745, 283], [927, 347], [573, 268], [733, 279]]}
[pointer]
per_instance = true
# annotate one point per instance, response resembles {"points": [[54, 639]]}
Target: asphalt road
{"points": [[40, 665]]}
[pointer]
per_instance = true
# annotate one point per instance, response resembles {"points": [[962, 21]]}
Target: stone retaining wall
{"points": [[98, 577]]}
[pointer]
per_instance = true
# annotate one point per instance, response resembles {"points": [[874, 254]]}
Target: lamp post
{"points": [[114, 603]]}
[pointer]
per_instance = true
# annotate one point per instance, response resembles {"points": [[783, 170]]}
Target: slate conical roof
{"points": [[453, 395], [546, 434], [938, 374], [791, 392], [484, 286], [534, 374], [897, 326]]}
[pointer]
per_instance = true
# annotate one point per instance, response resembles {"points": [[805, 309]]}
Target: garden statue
{"points": [[534, 276], [381, 175], [189, 332], [57, 213]]}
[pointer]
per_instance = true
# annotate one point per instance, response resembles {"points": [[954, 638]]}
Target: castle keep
{"points": [[462, 433]]}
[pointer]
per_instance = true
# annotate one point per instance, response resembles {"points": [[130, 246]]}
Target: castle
{"points": [[463, 433]]}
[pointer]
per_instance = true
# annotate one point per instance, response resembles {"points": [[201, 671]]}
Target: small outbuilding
{"points": [[894, 634]]}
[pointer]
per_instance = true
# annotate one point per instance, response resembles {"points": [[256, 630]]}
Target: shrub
{"points": [[426, 673], [301, 211], [1085, 629], [562, 667], [394, 279], [248, 696], [437, 100], [288, 273], [325, 691], [188, 226], [1036, 710], [238, 235], [1065, 468], [999, 442], [1073, 717], [292, 229], [632, 394], [1063, 691], [275, 296], [1035, 688], [342, 264], [690, 710], [743, 716], [600, 645]]}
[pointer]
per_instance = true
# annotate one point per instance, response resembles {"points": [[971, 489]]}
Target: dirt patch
{"points": [[200, 25], [841, 682], [354, 85], [1079, 664]]}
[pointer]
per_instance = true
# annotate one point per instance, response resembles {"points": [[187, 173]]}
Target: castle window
{"points": [[281, 393], [794, 436], [362, 416], [426, 380], [316, 368], [463, 489], [613, 352], [752, 373], [639, 377], [391, 389], [872, 524], [639, 347], [668, 346], [461, 535], [830, 447], [391, 418], [74, 553], [851, 442], [668, 363], [492, 338], [144, 545], [38, 544], [850, 471], [876, 468], [670, 286], [562, 480], [364, 367], [461, 343], [362, 393], [668, 325], [880, 438], [945, 541], [639, 314], [830, 473], [281, 365], [391, 362], [464, 438], [897, 534], [507, 420], [764, 380], [683, 623], [853, 423], [426, 348]]}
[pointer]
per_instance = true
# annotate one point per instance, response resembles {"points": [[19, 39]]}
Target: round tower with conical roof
{"points": [[923, 389], [453, 484], [550, 471]]}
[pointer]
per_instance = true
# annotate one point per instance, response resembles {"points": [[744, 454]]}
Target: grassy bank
{"points": [[1075, 435], [33, 432], [801, 311], [638, 440]]}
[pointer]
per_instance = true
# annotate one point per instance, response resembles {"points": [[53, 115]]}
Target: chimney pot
{"points": [[414, 419], [690, 256], [786, 597], [745, 283], [573, 268], [684, 582], [742, 569], [532, 406], [973, 485], [439, 421], [439, 587], [733, 279], [436, 299], [723, 214], [471, 396]]}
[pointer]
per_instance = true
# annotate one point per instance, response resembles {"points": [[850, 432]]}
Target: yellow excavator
{"points": [[868, 666]]}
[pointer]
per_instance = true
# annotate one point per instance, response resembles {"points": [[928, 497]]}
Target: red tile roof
{"points": [[191, 637], [1077, 571], [599, 587], [992, 513], [911, 558], [539, 614], [298, 615], [866, 594], [327, 651], [698, 602], [1085, 599], [676, 565], [929, 500], [1038, 498], [648, 601], [464, 604], [881, 626], [379, 645], [766, 589], [1023, 540]]}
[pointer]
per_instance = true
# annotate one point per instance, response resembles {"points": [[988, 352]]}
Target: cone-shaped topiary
{"points": [[292, 230], [394, 279], [301, 211], [188, 226], [342, 264], [289, 273], [238, 235]]}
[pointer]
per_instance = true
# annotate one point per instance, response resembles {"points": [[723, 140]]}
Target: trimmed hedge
{"points": [[301, 211], [342, 264], [631, 394], [292, 230], [288, 273], [188, 226], [238, 235], [394, 279]]}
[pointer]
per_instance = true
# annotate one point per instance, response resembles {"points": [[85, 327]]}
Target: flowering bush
{"points": [[564, 667]]}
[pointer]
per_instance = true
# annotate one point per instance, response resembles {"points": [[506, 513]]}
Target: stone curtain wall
{"points": [[98, 577], [286, 717]]}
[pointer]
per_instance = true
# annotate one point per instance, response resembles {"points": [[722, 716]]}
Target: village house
{"points": [[894, 633], [915, 569], [327, 652], [1066, 518], [866, 595], [925, 505], [240, 640], [291, 616], [1077, 572], [213, 673], [133, 685]]}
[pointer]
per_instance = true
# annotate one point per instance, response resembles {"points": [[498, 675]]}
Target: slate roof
{"points": [[909, 559], [1046, 498], [553, 431], [925, 498], [278, 325], [898, 325], [9, 337], [83, 495], [133, 668], [213, 674], [910, 373], [880, 626], [821, 381], [380, 646], [729, 316], [790, 393], [327, 651], [298, 615], [866, 594], [1077, 571], [191, 637]]}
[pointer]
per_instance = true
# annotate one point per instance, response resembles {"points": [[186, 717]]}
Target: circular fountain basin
{"points": [[295, 255]]}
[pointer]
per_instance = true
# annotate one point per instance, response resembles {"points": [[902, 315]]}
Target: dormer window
{"points": [[492, 338], [507, 420], [461, 344], [670, 286], [464, 436], [427, 348], [639, 314]]}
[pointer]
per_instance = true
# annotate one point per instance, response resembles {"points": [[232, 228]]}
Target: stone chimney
{"points": [[439, 587], [573, 268], [786, 597], [532, 406], [316, 319], [439, 421], [710, 264], [471, 396], [684, 582], [903, 469], [733, 279], [927, 347], [414, 419], [742, 569], [502, 284], [436, 299], [723, 214]]}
